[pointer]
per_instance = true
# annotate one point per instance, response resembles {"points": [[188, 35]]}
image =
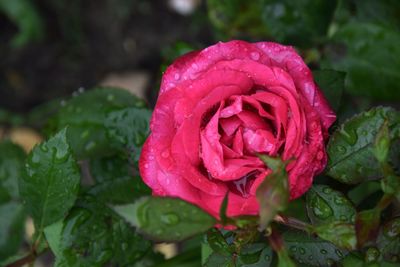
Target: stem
{"points": [[293, 223], [25, 260], [384, 202]]}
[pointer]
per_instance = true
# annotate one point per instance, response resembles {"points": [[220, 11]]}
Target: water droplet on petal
{"points": [[255, 55], [165, 154], [177, 76]]}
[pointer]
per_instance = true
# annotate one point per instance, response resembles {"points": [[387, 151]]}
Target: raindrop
{"points": [[293, 249], [350, 136], [302, 250], [341, 149], [320, 155], [177, 76], [85, 134], [323, 251], [61, 154], [110, 97], [364, 132], [339, 200], [343, 218], [339, 253], [44, 147], [165, 154], [327, 190], [255, 55], [310, 257], [320, 208], [267, 257], [330, 262]]}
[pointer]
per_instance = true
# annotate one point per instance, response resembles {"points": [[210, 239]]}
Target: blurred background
{"points": [[52, 50]]}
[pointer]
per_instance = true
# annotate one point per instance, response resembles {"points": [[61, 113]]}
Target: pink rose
{"points": [[218, 107]]}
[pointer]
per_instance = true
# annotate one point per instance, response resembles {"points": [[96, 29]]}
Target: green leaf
{"points": [[166, 219], [355, 140], [363, 191], [128, 128], [382, 143], [310, 250], [331, 83], [95, 236], [367, 226], [255, 255], [50, 187], [218, 260], [12, 223], [339, 233], [325, 204], [371, 60], [273, 192], [53, 234], [388, 241], [115, 181], [218, 243], [391, 185], [24, 14], [12, 161], [85, 115], [222, 210], [284, 260]]}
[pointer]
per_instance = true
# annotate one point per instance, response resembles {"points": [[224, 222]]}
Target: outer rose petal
{"points": [[251, 84]]}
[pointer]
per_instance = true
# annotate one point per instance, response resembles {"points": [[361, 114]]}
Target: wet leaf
{"points": [[355, 140], [128, 128], [255, 255], [341, 234], [93, 235], [50, 186], [85, 115], [331, 83], [12, 222], [217, 242], [388, 241], [310, 250], [325, 204], [218, 260], [382, 143], [166, 219], [273, 192]]}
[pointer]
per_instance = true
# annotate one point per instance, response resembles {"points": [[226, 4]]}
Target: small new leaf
{"points": [[273, 192], [367, 226], [166, 219], [382, 143]]}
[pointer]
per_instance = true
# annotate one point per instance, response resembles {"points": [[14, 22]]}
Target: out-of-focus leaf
{"points": [[355, 140], [367, 226], [93, 236], [371, 60], [12, 161], [388, 241], [325, 204], [255, 255], [310, 250], [341, 234], [166, 219], [296, 22], [385, 13], [24, 14], [7, 117], [273, 192], [115, 182], [85, 115], [331, 83], [128, 128], [12, 222], [363, 191], [50, 186], [218, 260]]}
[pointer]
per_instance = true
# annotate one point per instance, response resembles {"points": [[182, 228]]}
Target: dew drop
{"points": [[90, 145], [327, 190], [293, 249], [267, 257], [350, 136], [323, 251], [320, 208], [44, 147], [302, 251], [177, 76], [320, 155], [146, 166], [339, 253], [343, 218], [165, 154], [255, 55], [170, 218], [341, 149]]}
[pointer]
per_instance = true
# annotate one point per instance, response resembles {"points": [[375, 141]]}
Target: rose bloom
{"points": [[220, 107]]}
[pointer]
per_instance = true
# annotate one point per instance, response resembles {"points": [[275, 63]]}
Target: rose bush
{"points": [[217, 108]]}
